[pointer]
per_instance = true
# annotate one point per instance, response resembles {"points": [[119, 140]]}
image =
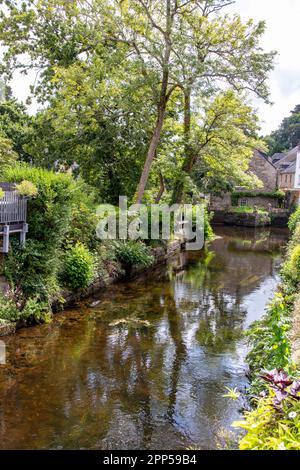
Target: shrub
{"points": [[208, 230], [270, 342], [269, 430], [35, 311], [291, 269], [35, 268], [1, 193], [275, 423], [248, 210], [27, 189], [82, 227], [8, 309], [49, 214], [294, 220], [131, 253], [78, 268]]}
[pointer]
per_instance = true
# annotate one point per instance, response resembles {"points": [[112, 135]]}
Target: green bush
{"points": [[294, 220], [35, 268], [27, 189], [132, 253], [269, 429], [267, 426], [49, 214], [248, 210], [78, 267], [270, 345], [35, 311], [82, 227], [291, 269], [208, 230], [31, 312], [8, 309]]}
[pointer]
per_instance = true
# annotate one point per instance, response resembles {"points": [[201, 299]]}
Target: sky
{"points": [[282, 35]]}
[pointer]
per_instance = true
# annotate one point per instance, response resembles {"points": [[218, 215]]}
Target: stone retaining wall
{"points": [[161, 255]]}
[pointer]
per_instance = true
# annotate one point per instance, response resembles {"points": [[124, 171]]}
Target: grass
{"points": [[248, 210]]}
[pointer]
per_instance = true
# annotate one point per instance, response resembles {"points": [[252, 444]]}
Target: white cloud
{"points": [[282, 33]]}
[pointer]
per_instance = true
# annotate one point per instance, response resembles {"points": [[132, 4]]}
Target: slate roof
{"points": [[290, 169]]}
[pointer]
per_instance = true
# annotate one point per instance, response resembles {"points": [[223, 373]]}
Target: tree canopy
{"points": [[131, 88], [287, 136]]}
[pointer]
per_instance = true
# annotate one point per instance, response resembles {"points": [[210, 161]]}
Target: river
{"points": [[149, 366]]}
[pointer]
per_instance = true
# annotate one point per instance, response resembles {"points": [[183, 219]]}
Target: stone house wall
{"points": [[259, 201], [286, 181], [265, 171], [220, 203]]}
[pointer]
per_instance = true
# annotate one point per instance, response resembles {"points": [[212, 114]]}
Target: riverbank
{"points": [[275, 347], [68, 298]]}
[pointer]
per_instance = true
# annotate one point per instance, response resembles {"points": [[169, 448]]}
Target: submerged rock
{"points": [[134, 322], [7, 328], [95, 304]]}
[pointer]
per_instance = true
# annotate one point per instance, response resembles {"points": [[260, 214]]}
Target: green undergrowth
{"points": [[269, 426]]}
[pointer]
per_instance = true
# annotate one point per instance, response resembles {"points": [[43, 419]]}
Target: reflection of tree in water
{"points": [[175, 328], [221, 313]]}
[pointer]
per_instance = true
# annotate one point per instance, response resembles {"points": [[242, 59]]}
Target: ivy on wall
{"points": [[235, 196]]}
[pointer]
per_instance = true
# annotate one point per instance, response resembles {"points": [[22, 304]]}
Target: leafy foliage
{"points": [[270, 341], [27, 189], [114, 83], [132, 253], [16, 127], [7, 155], [247, 210], [27, 312], [78, 269], [34, 269], [269, 430], [275, 423], [294, 220], [287, 136]]}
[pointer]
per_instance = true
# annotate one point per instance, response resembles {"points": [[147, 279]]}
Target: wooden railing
{"points": [[13, 208]]}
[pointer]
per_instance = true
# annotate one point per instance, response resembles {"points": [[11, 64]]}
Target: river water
{"points": [[149, 366]]}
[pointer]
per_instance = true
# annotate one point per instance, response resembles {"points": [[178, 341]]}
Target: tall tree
{"points": [[287, 136], [16, 125], [168, 45]]}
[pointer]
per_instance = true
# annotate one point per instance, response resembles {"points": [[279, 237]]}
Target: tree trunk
{"points": [[189, 158], [161, 110], [161, 188], [152, 148]]}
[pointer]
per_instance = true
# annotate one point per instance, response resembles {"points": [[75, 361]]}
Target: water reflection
{"points": [[156, 378]]}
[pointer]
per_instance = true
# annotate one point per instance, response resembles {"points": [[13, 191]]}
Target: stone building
{"points": [[288, 168], [262, 166]]}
